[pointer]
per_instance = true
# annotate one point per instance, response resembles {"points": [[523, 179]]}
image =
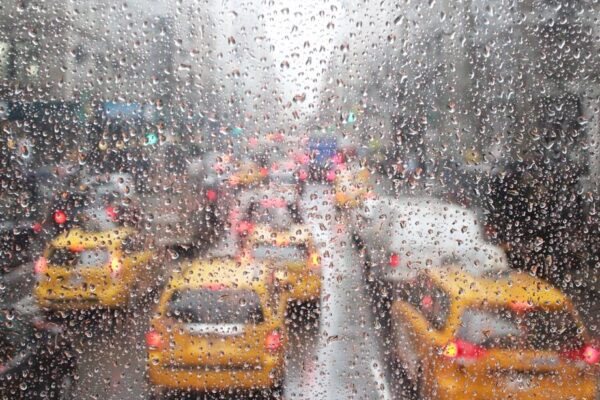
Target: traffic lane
{"points": [[348, 355], [112, 354], [17, 283]]}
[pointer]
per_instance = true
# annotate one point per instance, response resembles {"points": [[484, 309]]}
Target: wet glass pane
{"points": [[304, 200]]}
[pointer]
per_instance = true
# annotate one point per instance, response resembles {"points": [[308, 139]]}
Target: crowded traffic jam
{"points": [[296, 201]]}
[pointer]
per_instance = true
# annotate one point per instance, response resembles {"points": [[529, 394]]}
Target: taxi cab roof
{"points": [[297, 233], [90, 239], [224, 271], [500, 288]]}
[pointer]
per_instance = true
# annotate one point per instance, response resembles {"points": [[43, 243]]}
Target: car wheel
{"points": [[277, 391], [157, 394]]}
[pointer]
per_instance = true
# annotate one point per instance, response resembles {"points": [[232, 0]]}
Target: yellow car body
{"points": [[84, 284], [303, 274], [447, 367], [351, 187], [184, 355], [248, 173]]}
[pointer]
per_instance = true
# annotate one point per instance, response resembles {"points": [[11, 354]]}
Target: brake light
{"points": [[521, 306], [338, 158], [273, 203], [153, 340], [460, 349], [211, 195], [245, 228], [40, 266], [330, 175], [115, 266], [273, 342], [587, 353], [302, 175], [111, 212], [215, 287], [394, 260], [263, 172], [60, 217], [37, 227], [76, 248]]}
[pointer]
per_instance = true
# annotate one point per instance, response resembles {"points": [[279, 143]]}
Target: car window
{"points": [[285, 252], [223, 306], [93, 257], [61, 256], [533, 329]]}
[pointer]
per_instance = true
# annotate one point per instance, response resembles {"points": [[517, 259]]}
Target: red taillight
{"points": [[211, 195], [60, 217], [37, 227], [460, 349], [40, 266], [330, 175], [245, 228], [338, 158], [394, 260], [273, 342], [302, 175], [587, 353], [215, 287], [590, 354], [263, 172], [521, 306], [76, 248], [111, 212], [153, 340]]}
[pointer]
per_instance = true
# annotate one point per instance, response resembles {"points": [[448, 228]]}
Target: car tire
{"points": [[276, 392], [157, 394]]}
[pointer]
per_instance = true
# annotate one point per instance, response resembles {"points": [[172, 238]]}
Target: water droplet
{"points": [[451, 106]]}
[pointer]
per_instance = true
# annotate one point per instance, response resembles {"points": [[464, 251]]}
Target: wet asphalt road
{"points": [[332, 354]]}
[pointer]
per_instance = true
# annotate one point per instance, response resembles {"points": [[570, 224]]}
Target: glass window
{"points": [[222, 306], [533, 329]]}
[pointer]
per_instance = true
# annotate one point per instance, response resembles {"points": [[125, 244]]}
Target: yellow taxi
{"points": [[84, 270], [293, 251], [219, 324], [513, 336], [248, 173], [351, 186]]}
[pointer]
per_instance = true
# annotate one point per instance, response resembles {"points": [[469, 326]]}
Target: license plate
{"points": [[518, 381], [215, 329]]}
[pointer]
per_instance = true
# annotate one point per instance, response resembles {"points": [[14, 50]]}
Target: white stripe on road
{"points": [[382, 386]]}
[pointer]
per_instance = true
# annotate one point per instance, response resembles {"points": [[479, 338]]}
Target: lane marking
{"points": [[382, 386]]}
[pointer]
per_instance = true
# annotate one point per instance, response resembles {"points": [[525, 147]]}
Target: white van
{"points": [[403, 236]]}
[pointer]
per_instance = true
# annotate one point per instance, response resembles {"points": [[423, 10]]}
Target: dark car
{"points": [[37, 360], [16, 231]]}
